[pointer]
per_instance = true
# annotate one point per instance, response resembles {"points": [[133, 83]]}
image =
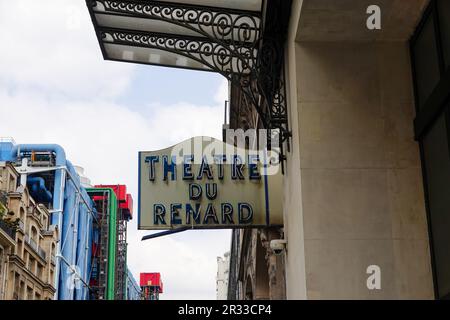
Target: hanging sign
{"points": [[205, 183]]}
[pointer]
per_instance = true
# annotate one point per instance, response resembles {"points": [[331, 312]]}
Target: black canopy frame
{"points": [[245, 46]]}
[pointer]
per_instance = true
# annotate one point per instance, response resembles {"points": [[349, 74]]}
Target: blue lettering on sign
{"points": [[205, 168], [187, 167], [253, 172], [175, 213], [211, 194], [151, 166], [169, 167], [194, 213], [220, 159], [245, 218], [227, 213], [201, 212], [159, 211], [236, 168], [210, 214], [195, 191]]}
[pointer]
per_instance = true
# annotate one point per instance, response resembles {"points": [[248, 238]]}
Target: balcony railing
{"points": [[35, 247], [32, 243], [42, 253], [8, 229], [3, 198], [21, 226]]}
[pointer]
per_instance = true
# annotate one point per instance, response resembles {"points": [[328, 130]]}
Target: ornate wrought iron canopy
{"points": [[242, 40]]}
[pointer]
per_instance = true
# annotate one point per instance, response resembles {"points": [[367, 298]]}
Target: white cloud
{"points": [[104, 138], [222, 92], [56, 88], [50, 46]]}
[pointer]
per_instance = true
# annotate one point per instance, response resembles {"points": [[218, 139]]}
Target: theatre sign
{"points": [[204, 183]]}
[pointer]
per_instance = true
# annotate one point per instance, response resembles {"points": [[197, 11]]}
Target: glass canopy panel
{"points": [[141, 24], [224, 36], [151, 56], [180, 34], [252, 5], [181, 52], [155, 17]]}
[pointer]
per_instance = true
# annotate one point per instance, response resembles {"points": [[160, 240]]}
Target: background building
{"points": [[134, 291], [60, 238], [28, 255], [151, 285], [223, 269], [353, 184], [361, 111]]}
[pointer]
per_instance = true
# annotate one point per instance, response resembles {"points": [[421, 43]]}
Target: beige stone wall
{"points": [[361, 191], [28, 276], [292, 202]]}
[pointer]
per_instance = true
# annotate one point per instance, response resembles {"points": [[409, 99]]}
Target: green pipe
{"points": [[112, 237]]}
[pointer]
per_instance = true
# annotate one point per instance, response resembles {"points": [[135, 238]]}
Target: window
{"points": [[12, 183], [29, 293], [437, 163], [431, 49], [1, 263], [30, 264], [19, 248], [34, 236], [426, 62], [22, 214], [53, 252], [16, 286], [22, 290], [39, 271], [444, 23]]}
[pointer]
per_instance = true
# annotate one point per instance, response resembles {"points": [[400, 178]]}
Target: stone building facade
{"points": [[357, 190], [360, 94], [28, 261], [256, 273], [223, 270]]}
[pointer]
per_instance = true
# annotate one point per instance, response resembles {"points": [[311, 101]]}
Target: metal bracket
{"points": [[246, 47]]}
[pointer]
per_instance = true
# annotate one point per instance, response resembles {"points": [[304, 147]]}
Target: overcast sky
{"points": [[55, 87]]}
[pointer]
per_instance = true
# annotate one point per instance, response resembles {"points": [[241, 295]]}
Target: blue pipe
{"points": [[80, 233], [57, 190], [59, 174], [67, 208], [39, 190], [71, 213]]}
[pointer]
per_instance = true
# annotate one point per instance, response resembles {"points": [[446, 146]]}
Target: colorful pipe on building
{"points": [[107, 195], [53, 180]]}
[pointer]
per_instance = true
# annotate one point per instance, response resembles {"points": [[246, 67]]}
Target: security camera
{"points": [[278, 246]]}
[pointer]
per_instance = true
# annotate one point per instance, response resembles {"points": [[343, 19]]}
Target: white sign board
{"points": [[205, 183]]}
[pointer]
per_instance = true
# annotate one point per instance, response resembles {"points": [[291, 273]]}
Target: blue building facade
{"points": [[53, 181]]}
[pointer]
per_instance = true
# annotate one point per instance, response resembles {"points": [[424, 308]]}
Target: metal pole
{"points": [[164, 233]]}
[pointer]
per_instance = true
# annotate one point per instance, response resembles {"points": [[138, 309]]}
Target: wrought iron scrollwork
{"points": [[215, 56], [228, 41], [234, 27]]}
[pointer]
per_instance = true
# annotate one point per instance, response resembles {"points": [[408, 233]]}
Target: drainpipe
{"points": [[58, 197]]}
